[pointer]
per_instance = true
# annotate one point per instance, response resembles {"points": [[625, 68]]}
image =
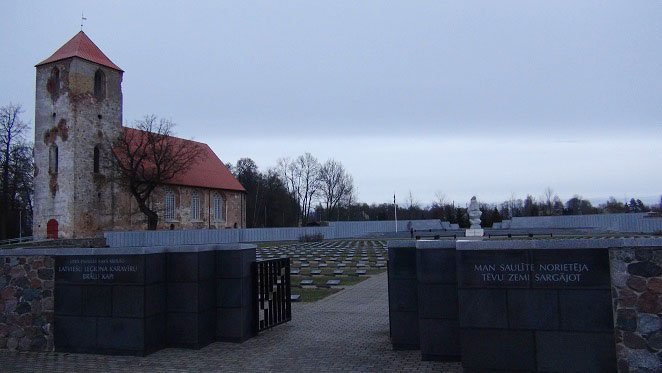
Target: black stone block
{"points": [[155, 299], [97, 300], [182, 329], [576, 352], [128, 301], [437, 301], [436, 266], [404, 328], [234, 263], [182, 267], [68, 300], [155, 333], [533, 309], [121, 269], [586, 310], [233, 292], [402, 262], [493, 268], [403, 294], [206, 265], [75, 333], [491, 350], [206, 296], [155, 268], [483, 308], [182, 297], [585, 268], [234, 324], [440, 339], [121, 334], [206, 328], [75, 269]]}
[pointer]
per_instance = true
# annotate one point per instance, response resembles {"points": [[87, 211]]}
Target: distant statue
{"points": [[474, 214]]}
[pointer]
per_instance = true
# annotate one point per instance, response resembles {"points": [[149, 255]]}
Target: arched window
{"points": [[169, 214], [217, 207], [52, 159], [96, 159], [99, 85], [195, 206]]}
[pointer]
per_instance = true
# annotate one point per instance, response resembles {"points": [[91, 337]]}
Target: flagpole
{"points": [[395, 208]]}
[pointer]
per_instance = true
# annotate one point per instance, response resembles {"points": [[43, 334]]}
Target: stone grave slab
{"points": [[334, 282]]}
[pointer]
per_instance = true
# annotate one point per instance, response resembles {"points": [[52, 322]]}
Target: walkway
{"points": [[346, 332]]}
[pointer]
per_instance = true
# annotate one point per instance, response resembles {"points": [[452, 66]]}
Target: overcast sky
{"points": [[485, 98]]}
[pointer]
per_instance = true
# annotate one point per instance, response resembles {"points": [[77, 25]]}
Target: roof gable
{"points": [[82, 47], [208, 172]]}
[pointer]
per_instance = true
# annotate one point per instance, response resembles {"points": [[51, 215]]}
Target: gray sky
{"points": [[485, 98]]}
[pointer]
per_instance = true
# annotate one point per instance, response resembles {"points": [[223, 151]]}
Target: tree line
{"points": [[16, 182], [549, 205], [297, 192]]}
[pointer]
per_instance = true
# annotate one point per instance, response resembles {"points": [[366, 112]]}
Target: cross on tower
{"points": [[82, 18]]}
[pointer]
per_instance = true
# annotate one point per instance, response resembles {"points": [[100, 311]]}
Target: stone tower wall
{"points": [[71, 117]]}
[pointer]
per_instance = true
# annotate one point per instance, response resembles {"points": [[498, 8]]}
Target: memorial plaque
{"points": [[503, 268], [586, 268], [100, 269], [536, 268]]}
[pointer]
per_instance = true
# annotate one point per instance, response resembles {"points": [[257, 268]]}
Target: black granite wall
{"points": [[536, 310], [110, 304], [439, 333], [191, 299], [403, 295], [234, 289], [135, 304]]}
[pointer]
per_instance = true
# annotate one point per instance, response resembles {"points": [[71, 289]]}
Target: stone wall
{"points": [[233, 210], [26, 303], [637, 295]]}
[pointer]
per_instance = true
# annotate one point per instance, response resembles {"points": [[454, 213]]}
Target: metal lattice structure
{"points": [[272, 293]]}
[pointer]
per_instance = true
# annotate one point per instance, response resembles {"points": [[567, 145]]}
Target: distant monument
{"points": [[474, 218]]}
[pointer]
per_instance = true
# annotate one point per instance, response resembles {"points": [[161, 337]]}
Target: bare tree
{"points": [[148, 156], [439, 199], [335, 185], [12, 129], [301, 176], [549, 197]]}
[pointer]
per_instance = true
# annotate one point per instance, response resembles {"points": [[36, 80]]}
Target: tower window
{"points": [[195, 206], [53, 84], [52, 159], [96, 159], [99, 85], [217, 207], [169, 214]]}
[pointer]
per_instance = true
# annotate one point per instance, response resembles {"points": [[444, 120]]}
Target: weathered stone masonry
{"points": [[26, 302], [637, 296]]}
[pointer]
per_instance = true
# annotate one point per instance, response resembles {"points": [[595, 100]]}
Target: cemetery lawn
{"points": [[313, 295]]}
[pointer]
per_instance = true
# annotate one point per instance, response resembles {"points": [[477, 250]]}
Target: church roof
{"points": [[208, 172], [82, 47]]}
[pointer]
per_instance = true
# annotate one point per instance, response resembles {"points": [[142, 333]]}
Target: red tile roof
{"points": [[82, 47], [208, 172]]}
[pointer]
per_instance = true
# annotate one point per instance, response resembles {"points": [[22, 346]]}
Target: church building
{"points": [[78, 113]]}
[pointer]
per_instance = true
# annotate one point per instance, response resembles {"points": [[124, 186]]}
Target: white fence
{"points": [[207, 236]]}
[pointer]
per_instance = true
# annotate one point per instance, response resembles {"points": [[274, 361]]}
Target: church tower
{"points": [[78, 113]]}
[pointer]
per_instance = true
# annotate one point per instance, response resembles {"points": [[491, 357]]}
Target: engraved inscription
{"points": [[537, 273], [97, 268]]}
